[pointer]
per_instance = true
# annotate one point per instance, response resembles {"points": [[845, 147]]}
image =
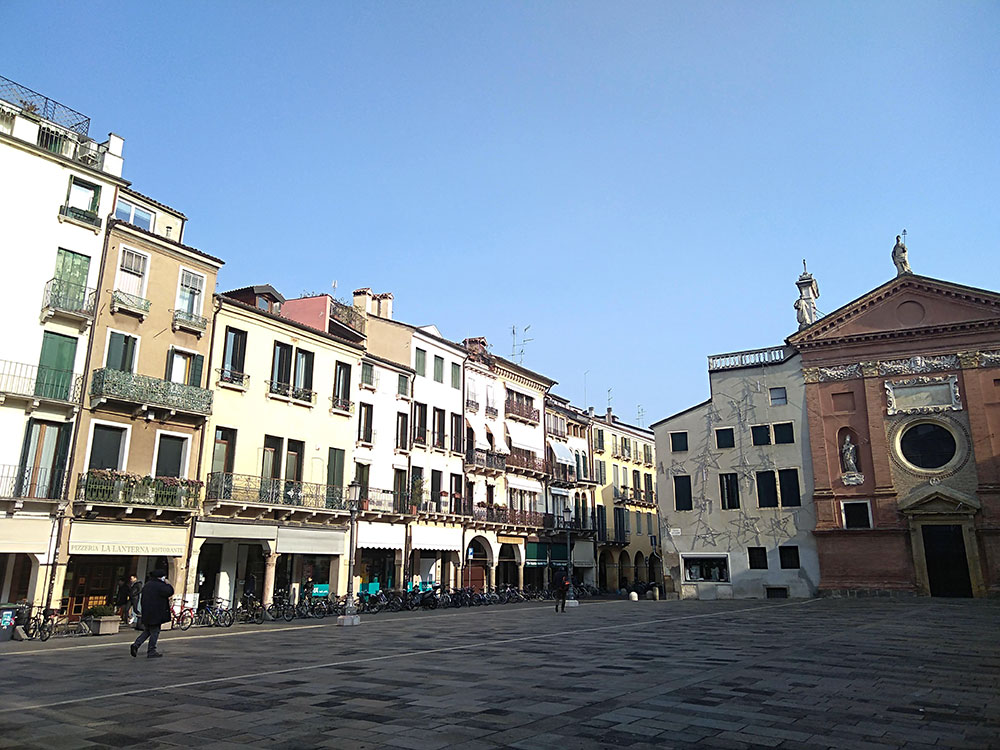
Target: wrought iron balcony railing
{"points": [[420, 436], [348, 315], [491, 411], [32, 482], [142, 389], [611, 535], [68, 298], [341, 405], [471, 404], [293, 392], [511, 516], [484, 459], [104, 486], [518, 409], [233, 378], [247, 488], [561, 472], [556, 522], [557, 431], [526, 462], [79, 214], [129, 302], [37, 382], [190, 321]]}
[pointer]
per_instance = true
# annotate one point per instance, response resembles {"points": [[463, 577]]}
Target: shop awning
{"points": [[559, 491], [536, 555], [558, 554], [216, 530], [311, 541], [87, 538], [436, 538], [381, 535], [478, 425], [522, 483], [525, 437], [499, 439], [562, 452], [583, 555], [30, 536]]}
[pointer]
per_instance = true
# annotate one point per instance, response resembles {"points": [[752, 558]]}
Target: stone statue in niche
{"points": [[849, 463], [899, 257]]}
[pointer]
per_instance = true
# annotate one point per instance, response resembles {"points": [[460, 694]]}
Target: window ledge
{"points": [[364, 444], [368, 386], [231, 386], [403, 451], [403, 397], [82, 224]]}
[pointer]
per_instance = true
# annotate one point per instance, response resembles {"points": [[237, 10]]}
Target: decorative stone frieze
{"points": [[923, 395], [918, 364]]}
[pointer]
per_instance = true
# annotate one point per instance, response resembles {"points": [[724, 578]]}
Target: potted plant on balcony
{"points": [[104, 620]]}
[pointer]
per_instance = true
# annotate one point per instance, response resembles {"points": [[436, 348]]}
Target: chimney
{"points": [[475, 345], [590, 411], [384, 305], [363, 299], [609, 417]]}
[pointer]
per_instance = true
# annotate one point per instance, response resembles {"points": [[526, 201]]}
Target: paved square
{"points": [[864, 674]]}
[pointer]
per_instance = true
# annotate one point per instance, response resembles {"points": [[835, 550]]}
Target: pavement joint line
{"points": [[263, 631], [384, 657]]}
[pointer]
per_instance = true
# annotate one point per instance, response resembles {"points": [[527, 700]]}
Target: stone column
{"points": [[520, 575], [269, 564], [491, 578]]}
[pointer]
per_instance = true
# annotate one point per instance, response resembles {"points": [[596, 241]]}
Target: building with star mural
{"points": [[734, 480]]}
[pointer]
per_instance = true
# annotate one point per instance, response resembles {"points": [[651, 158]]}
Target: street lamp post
{"points": [[350, 616], [568, 518]]}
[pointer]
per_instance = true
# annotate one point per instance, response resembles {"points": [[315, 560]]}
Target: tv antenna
{"points": [[585, 389], [334, 285], [640, 414], [517, 348], [609, 397]]}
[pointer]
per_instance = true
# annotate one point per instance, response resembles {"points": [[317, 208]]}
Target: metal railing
{"points": [[527, 462], [558, 432], [748, 358], [232, 377], [41, 106], [35, 482], [33, 381], [420, 436], [386, 501], [561, 472], [517, 408], [294, 392], [491, 411], [142, 389], [471, 404], [511, 516], [63, 143], [344, 405], [120, 299], [348, 315], [556, 522], [612, 535], [247, 488], [67, 297], [116, 488], [80, 214], [185, 319], [485, 459]]}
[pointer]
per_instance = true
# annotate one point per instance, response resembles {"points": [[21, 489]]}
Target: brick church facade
{"points": [[903, 402]]}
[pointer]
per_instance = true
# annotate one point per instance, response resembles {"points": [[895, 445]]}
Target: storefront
{"points": [[584, 569], [309, 555], [224, 554], [536, 559], [24, 556], [100, 554], [379, 555], [435, 553]]}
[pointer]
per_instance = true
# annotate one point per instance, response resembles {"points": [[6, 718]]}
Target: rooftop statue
{"points": [[899, 257]]}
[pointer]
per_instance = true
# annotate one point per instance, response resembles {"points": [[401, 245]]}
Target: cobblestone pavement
{"points": [[865, 674]]}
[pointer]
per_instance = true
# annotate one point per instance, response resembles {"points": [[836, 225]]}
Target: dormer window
{"points": [[140, 217], [264, 303]]}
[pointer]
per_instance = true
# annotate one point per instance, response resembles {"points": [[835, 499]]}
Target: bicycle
{"points": [[250, 610], [181, 615], [58, 624]]}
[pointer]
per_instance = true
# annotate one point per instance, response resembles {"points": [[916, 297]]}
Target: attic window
{"points": [[263, 303]]}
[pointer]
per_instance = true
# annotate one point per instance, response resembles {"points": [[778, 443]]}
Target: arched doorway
{"points": [[477, 561], [607, 580], [624, 569], [507, 565], [655, 569], [639, 568]]}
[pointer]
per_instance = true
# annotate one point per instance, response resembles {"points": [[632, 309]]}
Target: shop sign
{"points": [[321, 589], [104, 548], [509, 539]]}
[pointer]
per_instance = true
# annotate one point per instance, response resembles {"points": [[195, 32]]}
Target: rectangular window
{"points": [[335, 468], [171, 454], [436, 479], [788, 483], [729, 487], [614, 477], [224, 450], [420, 362], [303, 375], [121, 352], [725, 437], [789, 556], [107, 447], [365, 418], [368, 374], [760, 434], [140, 217], [456, 375], [784, 433], [767, 490], [600, 440], [706, 570], [190, 292], [439, 428], [757, 558], [647, 454], [402, 431], [184, 367], [857, 515], [234, 356], [678, 442], [456, 432], [132, 273], [403, 385], [342, 386], [420, 424], [294, 458], [779, 397], [281, 368], [438, 369], [83, 196], [682, 493]]}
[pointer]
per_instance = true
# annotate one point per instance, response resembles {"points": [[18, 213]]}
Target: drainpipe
{"points": [[61, 511]]}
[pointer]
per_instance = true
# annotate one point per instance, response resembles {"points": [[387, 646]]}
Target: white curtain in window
{"points": [[192, 286]]}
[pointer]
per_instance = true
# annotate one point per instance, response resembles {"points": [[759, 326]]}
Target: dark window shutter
{"points": [[335, 468], [24, 470], [194, 378], [116, 347], [307, 378], [170, 363]]}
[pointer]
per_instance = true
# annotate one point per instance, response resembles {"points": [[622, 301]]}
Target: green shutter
{"points": [[170, 364], [421, 362], [456, 375], [194, 377], [55, 366], [335, 468], [116, 345]]}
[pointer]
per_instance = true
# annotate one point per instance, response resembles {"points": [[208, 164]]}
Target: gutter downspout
{"points": [[61, 512]]}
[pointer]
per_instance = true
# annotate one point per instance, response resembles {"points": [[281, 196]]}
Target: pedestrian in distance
{"points": [[155, 602], [122, 599], [562, 588], [134, 591]]}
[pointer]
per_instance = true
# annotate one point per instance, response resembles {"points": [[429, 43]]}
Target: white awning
{"points": [[525, 437], [520, 483], [30, 536], [127, 539], [478, 426], [559, 491], [583, 555], [216, 530], [311, 541], [499, 439], [381, 535], [562, 453], [436, 538]]}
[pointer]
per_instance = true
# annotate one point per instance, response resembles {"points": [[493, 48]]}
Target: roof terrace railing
{"points": [[34, 103]]}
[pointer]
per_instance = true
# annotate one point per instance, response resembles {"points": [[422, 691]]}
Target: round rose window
{"points": [[928, 446]]}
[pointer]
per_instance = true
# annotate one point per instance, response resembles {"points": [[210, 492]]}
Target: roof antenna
{"points": [[517, 349], [640, 414]]}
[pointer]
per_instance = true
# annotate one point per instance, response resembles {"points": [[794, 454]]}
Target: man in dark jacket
{"points": [[121, 600], [562, 588], [155, 611], [134, 590]]}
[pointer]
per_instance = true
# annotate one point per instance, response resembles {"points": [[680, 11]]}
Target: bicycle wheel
{"points": [[288, 612], [45, 631], [319, 611], [257, 615], [226, 618], [185, 620]]}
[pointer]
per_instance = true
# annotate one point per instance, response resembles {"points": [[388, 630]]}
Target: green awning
{"points": [[559, 554], [536, 554]]}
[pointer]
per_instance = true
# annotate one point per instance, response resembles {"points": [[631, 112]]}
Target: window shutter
{"points": [[24, 469], [239, 350], [194, 377], [170, 363], [116, 348]]}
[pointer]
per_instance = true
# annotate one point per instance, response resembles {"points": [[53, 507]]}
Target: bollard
{"points": [[633, 597], [656, 593]]}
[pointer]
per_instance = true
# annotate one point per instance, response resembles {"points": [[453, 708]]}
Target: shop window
{"points": [[857, 514], [725, 437], [706, 569], [789, 557], [784, 433], [757, 558]]}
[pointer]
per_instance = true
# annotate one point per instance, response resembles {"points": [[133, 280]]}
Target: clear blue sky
{"points": [[637, 181]]}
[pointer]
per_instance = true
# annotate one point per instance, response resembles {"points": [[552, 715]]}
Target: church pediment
{"points": [[906, 306], [938, 500]]}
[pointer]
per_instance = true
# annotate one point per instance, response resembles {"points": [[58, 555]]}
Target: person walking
{"points": [[155, 602], [134, 591], [122, 600], [562, 588]]}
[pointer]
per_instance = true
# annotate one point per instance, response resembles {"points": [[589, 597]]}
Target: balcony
{"points": [[36, 385], [521, 411], [130, 303], [478, 459], [188, 321], [610, 535], [232, 379], [634, 496], [107, 487], [69, 301], [561, 474], [557, 524], [290, 393], [771, 355], [147, 392], [501, 514], [471, 405], [420, 436], [348, 316], [523, 462], [491, 412], [557, 432], [599, 447], [228, 489], [80, 215], [22, 483], [343, 406]]}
